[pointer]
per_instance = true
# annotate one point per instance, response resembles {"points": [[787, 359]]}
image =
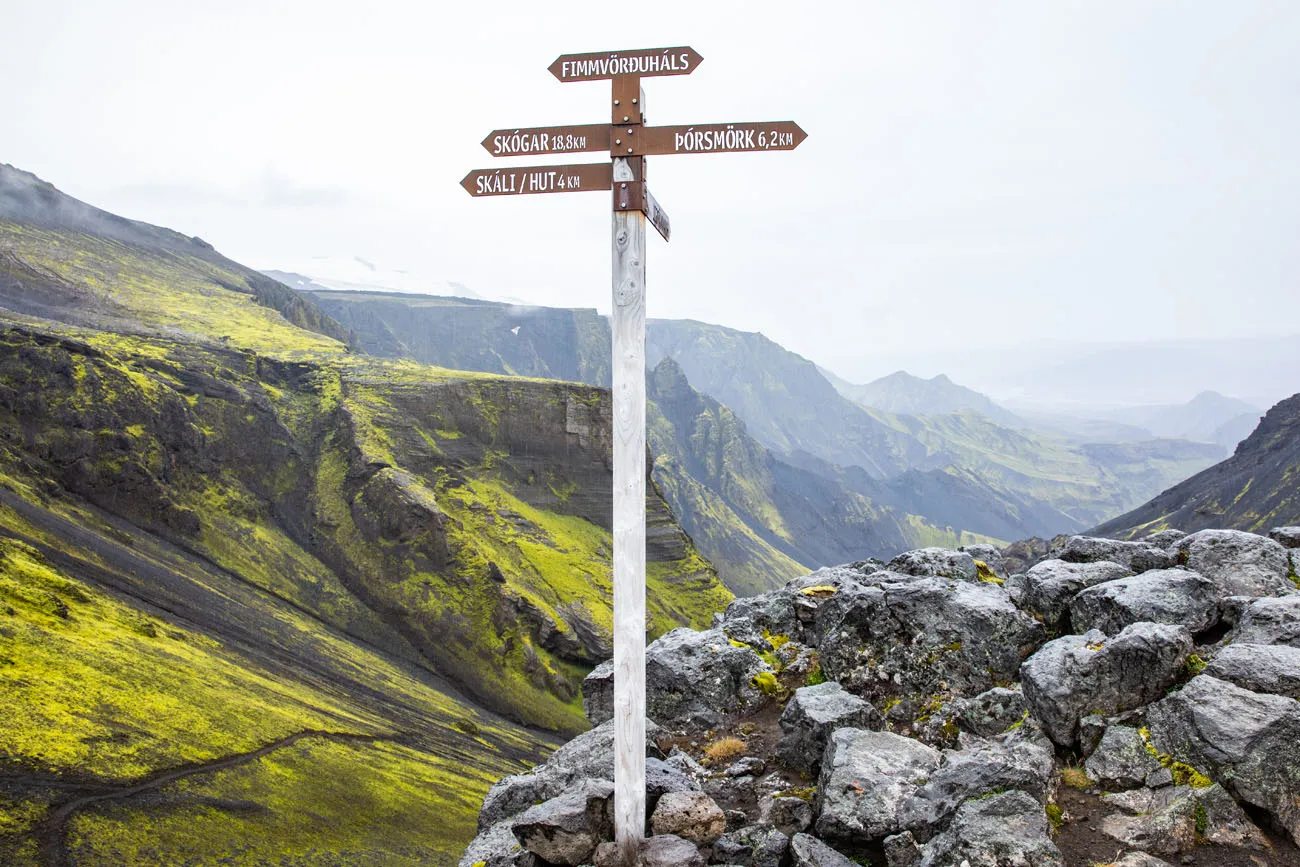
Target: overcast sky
{"points": [[977, 176]]}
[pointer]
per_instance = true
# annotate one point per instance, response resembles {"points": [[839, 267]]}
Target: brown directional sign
{"points": [[539, 179], [612, 64], [548, 140], [708, 138]]}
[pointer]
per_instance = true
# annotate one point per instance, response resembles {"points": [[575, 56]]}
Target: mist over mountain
{"points": [[903, 393]]}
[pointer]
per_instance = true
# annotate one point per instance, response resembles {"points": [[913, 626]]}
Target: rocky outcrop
{"points": [[1171, 596], [1078, 675], [1050, 585], [841, 752], [1240, 564]]}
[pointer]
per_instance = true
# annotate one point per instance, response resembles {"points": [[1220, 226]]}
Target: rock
{"points": [[1159, 779], [1174, 596], [809, 717], [1269, 621], [989, 555], [1004, 830], [661, 777], [918, 637], [865, 779], [748, 766], [808, 851], [974, 773], [1287, 537], [1092, 727], [901, 850], [658, 851], [939, 562], [1020, 556], [787, 814], [1050, 585], [496, 846], [1137, 556], [1176, 820], [1140, 859], [1122, 760], [1273, 669], [688, 766], [1080, 674], [1241, 564], [692, 678], [690, 815], [566, 829], [1165, 539], [993, 711], [588, 756], [752, 846], [1248, 741]]}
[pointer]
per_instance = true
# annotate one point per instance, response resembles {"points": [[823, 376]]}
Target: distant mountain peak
{"points": [[904, 393]]}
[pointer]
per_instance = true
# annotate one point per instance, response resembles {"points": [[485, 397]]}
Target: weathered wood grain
{"points": [[628, 327]]}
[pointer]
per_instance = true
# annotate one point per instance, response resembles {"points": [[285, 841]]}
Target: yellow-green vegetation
{"points": [[147, 695], [724, 749], [1195, 664], [1055, 816], [986, 573], [1186, 775], [418, 809], [767, 683], [1075, 777]]}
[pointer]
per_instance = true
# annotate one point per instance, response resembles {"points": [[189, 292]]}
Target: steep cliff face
{"points": [[1256, 489]]}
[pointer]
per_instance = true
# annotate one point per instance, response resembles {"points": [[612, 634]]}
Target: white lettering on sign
{"points": [[533, 141], [496, 184], [730, 138], [636, 64]]}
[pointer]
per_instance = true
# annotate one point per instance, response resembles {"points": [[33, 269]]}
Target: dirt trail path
{"points": [[51, 832]]}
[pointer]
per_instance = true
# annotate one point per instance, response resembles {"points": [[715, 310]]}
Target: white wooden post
{"points": [[627, 325]]}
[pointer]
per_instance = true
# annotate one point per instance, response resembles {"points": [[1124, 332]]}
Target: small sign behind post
{"points": [[628, 142]]}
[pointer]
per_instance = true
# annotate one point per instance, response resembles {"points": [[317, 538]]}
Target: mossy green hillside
{"points": [[98, 695], [335, 485]]}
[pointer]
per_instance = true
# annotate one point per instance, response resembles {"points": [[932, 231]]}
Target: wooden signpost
{"points": [[628, 141]]}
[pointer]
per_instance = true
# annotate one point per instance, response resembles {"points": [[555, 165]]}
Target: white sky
{"points": [[977, 175]]}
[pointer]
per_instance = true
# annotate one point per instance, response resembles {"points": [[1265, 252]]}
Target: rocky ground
{"points": [[1115, 703]]}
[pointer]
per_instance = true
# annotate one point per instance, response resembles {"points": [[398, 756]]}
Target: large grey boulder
{"points": [[662, 850], [1004, 830], [976, 772], [690, 815], [788, 814], [1241, 564], [1081, 674], [807, 851], [752, 846], [1287, 537], [1122, 760], [1051, 584], [810, 716], [911, 638], [590, 755], [1140, 859], [1174, 596], [989, 555], [866, 778], [1269, 621], [1176, 819], [692, 678], [1137, 556], [1247, 741], [993, 711], [568, 828], [1273, 669], [938, 562], [496, 846]]}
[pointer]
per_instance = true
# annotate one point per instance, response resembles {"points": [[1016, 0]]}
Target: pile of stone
{"points": [[922, 712]]}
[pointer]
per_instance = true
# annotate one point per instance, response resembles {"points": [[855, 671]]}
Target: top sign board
{"points": [[643, 62]]}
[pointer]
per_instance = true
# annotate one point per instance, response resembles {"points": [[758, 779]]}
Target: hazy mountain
{"points": [[291, 576], [1255, 489], [911, 395], [760, 519], [1202, 418]]}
